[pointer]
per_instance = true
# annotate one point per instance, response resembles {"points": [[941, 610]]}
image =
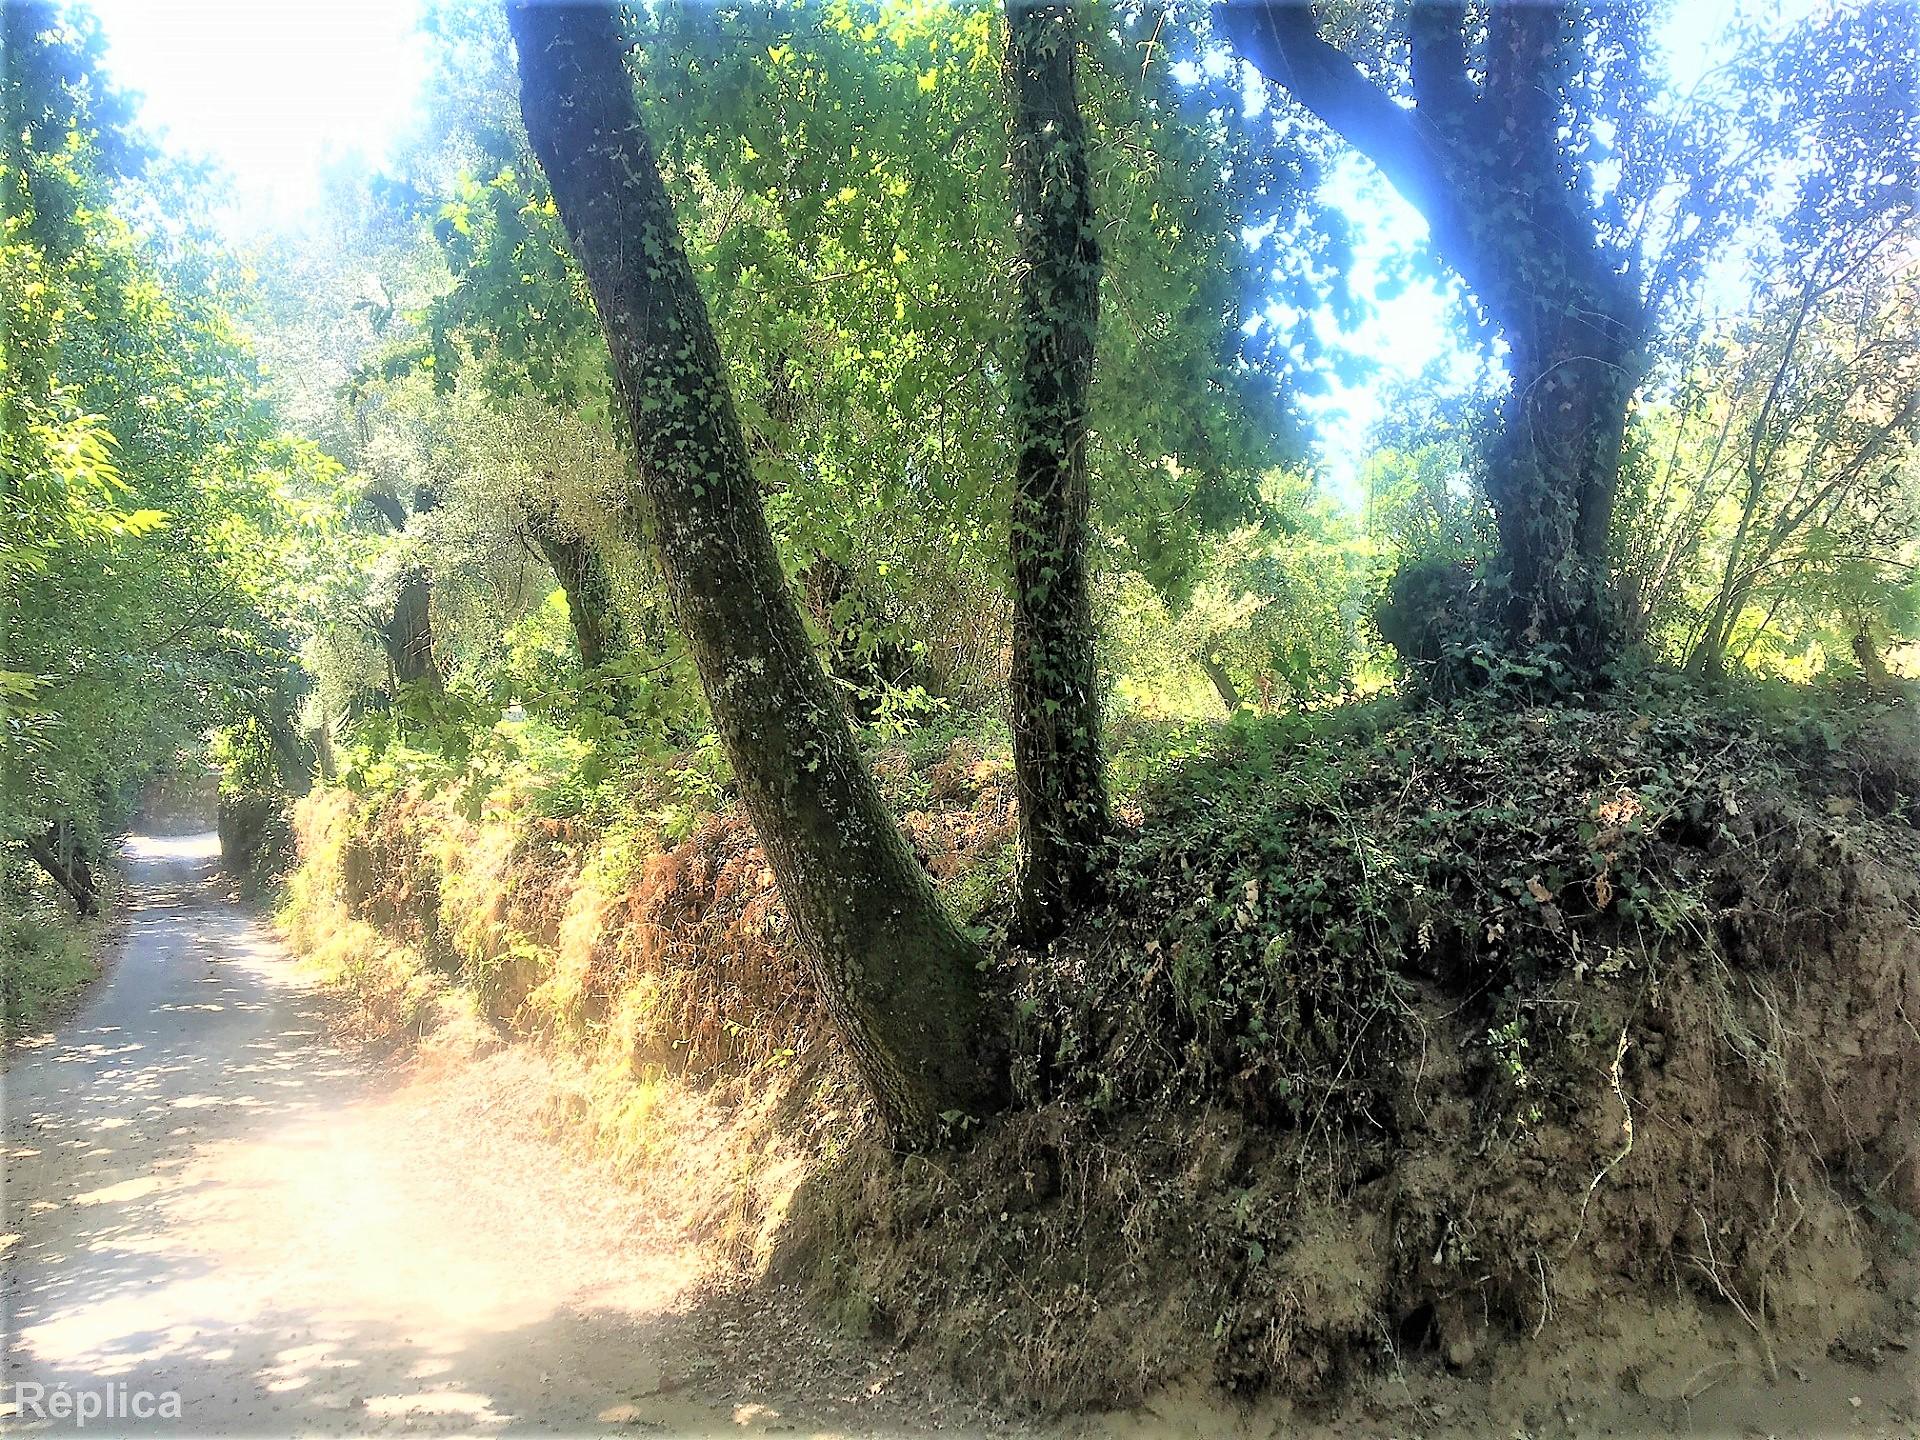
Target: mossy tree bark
{"points": [[894, 971], [577, 564], [1486, 166], [1054, 679]]}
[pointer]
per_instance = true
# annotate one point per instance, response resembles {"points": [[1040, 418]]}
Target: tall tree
{"points": [[1490, 167], [890, 965], [1054, 680]]}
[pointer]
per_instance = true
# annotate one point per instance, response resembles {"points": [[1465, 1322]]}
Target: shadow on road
{"points": [[205, 1195]]}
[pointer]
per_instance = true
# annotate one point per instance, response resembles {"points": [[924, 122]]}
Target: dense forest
{"points": [[787, 555]]}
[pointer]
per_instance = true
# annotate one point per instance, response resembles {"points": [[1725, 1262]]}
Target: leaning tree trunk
{"points": [[1054, 680], [1223, 685], [890, 965], [1873, 666], [1709, 657], [59, 853], [582, 572]]}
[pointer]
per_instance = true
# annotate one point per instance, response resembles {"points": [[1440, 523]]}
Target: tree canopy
{"points": [[891, 370]]}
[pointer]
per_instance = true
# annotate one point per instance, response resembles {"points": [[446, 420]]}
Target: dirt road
{"points": [[205, 1195]]}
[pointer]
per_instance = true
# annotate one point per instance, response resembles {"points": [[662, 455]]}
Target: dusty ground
{"points": [[205, 1194]]}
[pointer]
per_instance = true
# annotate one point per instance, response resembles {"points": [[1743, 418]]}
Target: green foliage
{"points": [[839, 173], [146, 485], [1771, 515], [1301, 887], [44, 959], [1423, 500], [1281, 608]]}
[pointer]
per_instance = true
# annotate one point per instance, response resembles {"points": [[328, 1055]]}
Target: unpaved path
{"points": [[205, 1195]]}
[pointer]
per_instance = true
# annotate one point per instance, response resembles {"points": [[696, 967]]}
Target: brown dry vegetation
{"points": [[1645, 1102]]}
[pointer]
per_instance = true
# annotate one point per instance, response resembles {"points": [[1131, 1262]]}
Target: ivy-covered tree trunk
{"points": [[1054, 681], [1554, 471], [1576, 328], [891, 967], [1485, 164]]}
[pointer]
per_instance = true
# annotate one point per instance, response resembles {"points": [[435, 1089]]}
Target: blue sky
{"points": [[271, 89]]}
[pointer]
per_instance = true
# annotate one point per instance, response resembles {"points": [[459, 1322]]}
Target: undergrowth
{"points": [[1400, 1029], [46, 957], [1293, 889]]}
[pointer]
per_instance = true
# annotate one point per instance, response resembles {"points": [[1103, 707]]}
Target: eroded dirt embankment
{"points": [[208, 1192], [1532, 1067]]}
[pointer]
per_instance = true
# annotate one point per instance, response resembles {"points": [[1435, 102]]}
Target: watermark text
{"points": [[84, 1406]]}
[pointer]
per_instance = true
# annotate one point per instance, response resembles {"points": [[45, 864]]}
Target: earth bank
{"points": [[1556, 1047]]}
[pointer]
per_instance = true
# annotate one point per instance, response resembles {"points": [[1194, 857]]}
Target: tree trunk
{"points": [[891, 967], [1223, 685], [1054, 680], [1873, 666], [1574, 323], [577, 564], [1554, 471], [59, 854], [1709, 658], [408, 635], [1487, 168], [323, 750]]}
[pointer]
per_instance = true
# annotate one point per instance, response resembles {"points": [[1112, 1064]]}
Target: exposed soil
{"points": [[207, 1191]]}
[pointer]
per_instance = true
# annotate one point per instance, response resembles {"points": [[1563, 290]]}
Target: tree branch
{"points": [[1437, 40], [1283, 43]]}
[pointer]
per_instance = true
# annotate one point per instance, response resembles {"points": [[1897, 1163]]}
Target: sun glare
{"points": [[268, 90]]}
